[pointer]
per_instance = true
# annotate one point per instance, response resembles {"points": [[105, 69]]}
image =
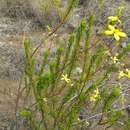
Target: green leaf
{"points": [[111, 98], [127, 127], [25, 114], [124, 51], [114, 116], [44, 82], [82, 97]]}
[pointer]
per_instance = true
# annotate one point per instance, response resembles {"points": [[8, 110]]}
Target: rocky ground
{"points": [[11, 64]]}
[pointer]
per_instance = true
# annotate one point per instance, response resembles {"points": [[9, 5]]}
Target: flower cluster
{"points": [[124, 73], [95, 96], [113, 31], [115, 58], [114, 19]]}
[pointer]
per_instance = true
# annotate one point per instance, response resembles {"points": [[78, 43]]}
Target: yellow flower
{"points": [[87, 123], [65, 78], [114, 59], [108, 53], [121, 74], [45, 99], [115, 32], [48, 28], [114, 19], [127, 73], [95, 95], [124, 74], [92, 99]]}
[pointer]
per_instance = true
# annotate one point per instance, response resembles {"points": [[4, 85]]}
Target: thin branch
{"points": [[56, 28], [100, 114], [19, 95]]}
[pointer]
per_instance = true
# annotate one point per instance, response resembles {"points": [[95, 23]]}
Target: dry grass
{"points": [[17, 8], [27, 9]]}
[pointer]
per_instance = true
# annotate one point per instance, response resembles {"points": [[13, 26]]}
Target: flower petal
{"points": [[122, 34], [107, 32], [121, 74], [113, 18], [112, 28], [116, 37]]}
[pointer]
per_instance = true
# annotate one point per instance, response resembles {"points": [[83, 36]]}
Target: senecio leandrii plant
{"points": [[80, 86]]}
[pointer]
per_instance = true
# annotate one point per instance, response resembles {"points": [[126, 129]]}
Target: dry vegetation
{"points": [[25, 9]]}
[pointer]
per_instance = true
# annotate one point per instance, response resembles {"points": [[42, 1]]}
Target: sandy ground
{"points": [[8, 91]]}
